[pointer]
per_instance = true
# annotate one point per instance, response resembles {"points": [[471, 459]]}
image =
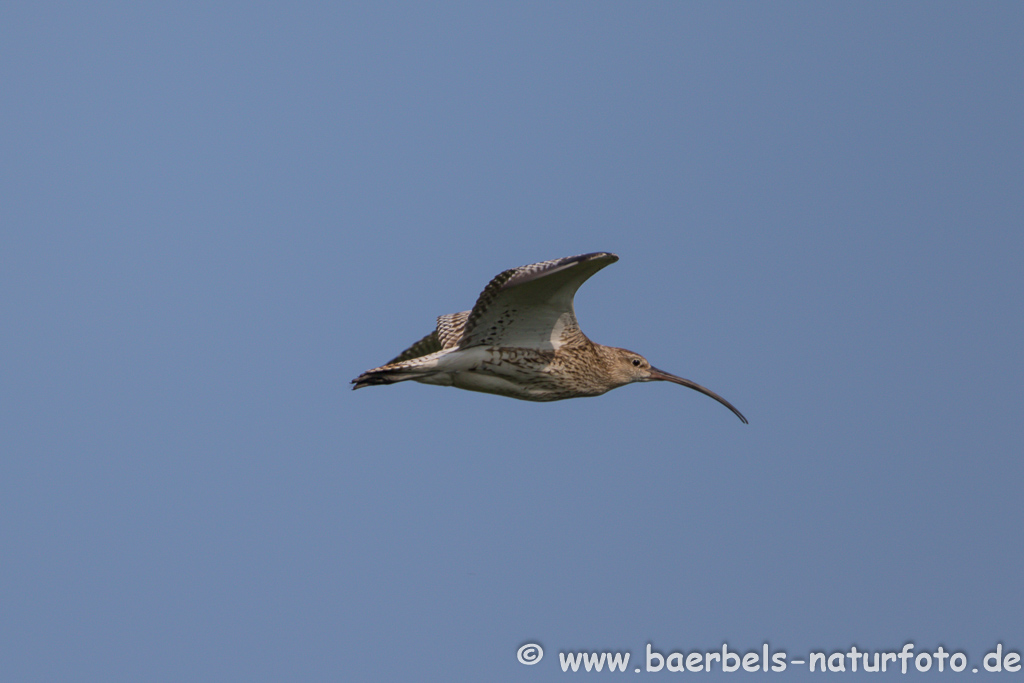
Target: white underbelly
{"points": [[489, 384], [490, 371]]}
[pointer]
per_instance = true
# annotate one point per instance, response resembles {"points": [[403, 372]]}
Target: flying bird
{"points": [[522, 340]]}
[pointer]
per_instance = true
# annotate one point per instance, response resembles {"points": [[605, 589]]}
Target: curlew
{"points": [[522, 340]]}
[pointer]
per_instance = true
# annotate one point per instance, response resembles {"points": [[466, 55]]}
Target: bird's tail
{"points": [[378, 376], [413, 368]]}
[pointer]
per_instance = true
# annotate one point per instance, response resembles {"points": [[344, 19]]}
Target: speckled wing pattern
{"points": [[451, 327], [446, 336], [532, 306]]}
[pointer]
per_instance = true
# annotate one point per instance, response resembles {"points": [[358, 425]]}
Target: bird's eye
{"points": [[636, 362]]}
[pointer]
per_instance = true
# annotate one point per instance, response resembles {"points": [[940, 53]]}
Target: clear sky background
{"points": [[214, 215]]}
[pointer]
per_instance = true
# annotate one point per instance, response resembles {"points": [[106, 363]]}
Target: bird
{"points": [[522, 340]]}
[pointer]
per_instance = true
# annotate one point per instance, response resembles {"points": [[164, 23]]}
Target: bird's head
{"points": [[628, 366]]}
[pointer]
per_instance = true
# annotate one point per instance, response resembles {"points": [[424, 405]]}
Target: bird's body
{"points": [[522, 340]]}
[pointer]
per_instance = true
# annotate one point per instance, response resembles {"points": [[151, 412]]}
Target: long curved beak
{"points": [[657, 374]]}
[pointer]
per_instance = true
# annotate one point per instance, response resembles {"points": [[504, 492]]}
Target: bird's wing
{"points": [[531, 306], [446, 336], [450, 328]]}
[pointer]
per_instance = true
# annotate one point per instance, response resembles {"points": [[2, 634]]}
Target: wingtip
{"points": [[612, 258]]}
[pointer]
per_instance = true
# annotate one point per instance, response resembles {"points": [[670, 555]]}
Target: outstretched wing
{"points": [[532, 306], [446, 336]]}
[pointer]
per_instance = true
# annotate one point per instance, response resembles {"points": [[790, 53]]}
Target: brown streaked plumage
{"points": [[522, 340]]}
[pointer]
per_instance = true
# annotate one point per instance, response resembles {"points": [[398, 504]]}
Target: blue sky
{"points": [[217, 214]]}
